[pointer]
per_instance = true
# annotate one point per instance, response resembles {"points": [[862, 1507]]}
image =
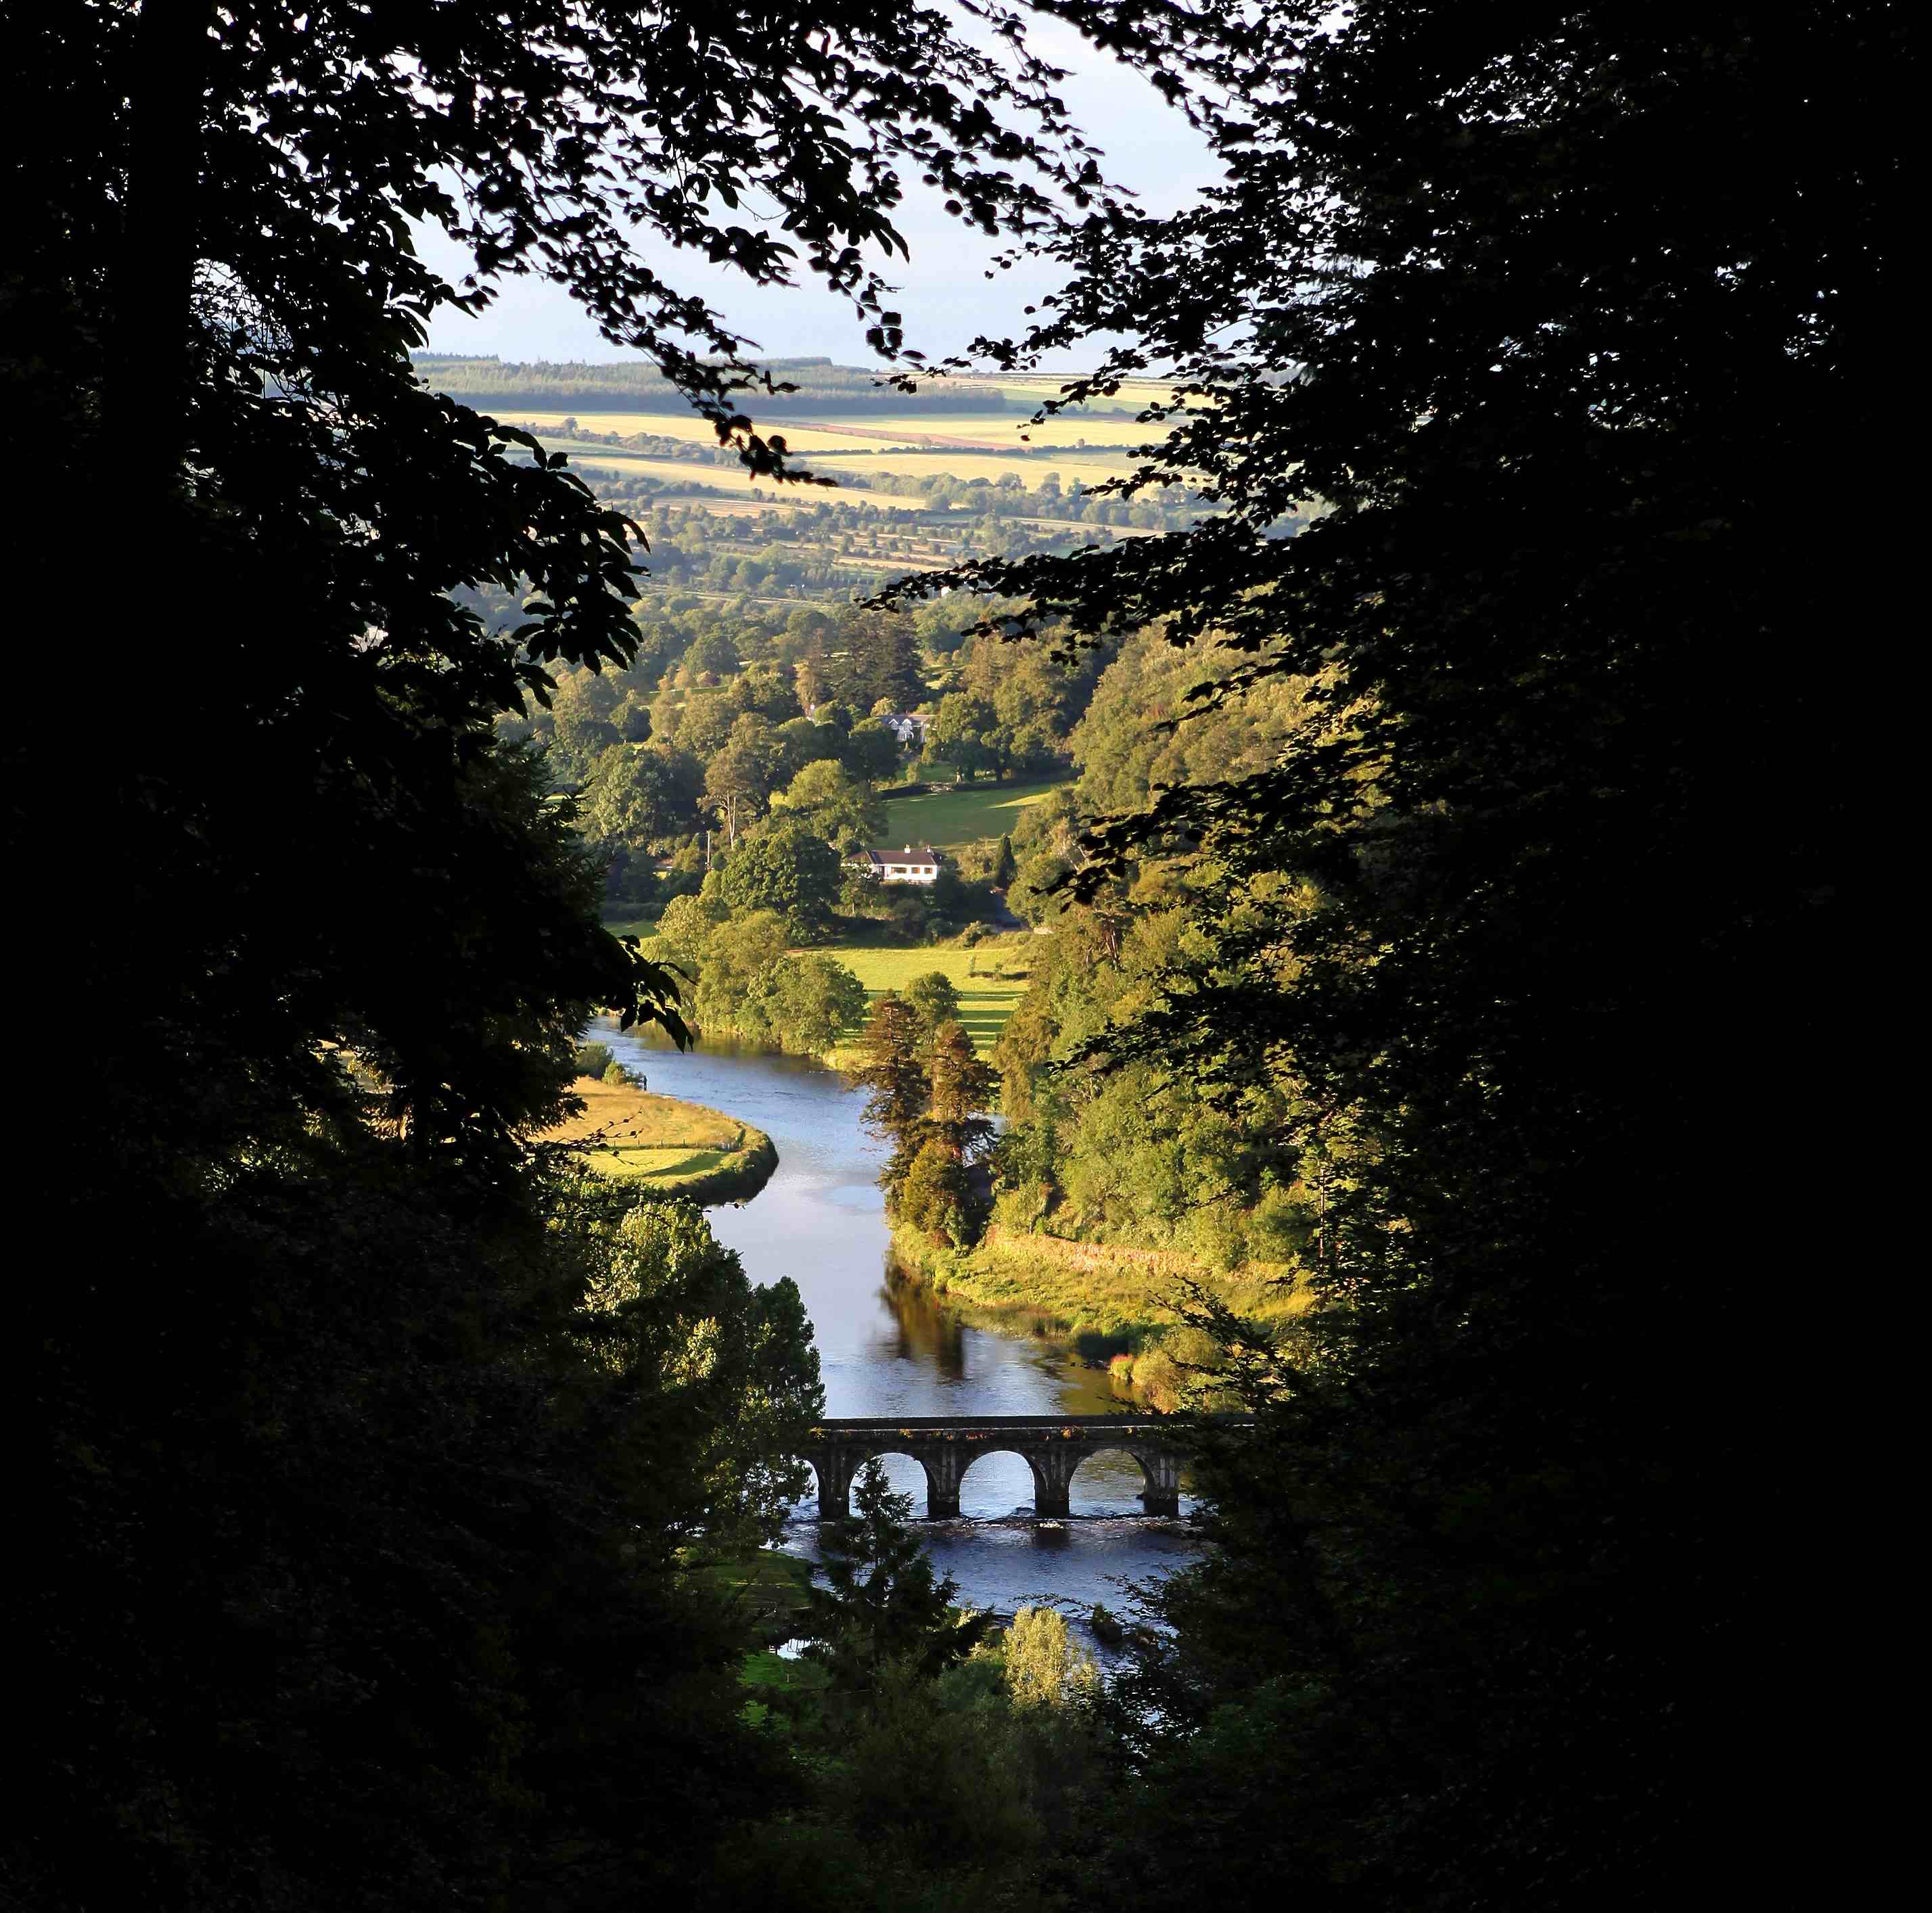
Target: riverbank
{"points": [[663, 1145], [1111, 1303], [891, 1348]]}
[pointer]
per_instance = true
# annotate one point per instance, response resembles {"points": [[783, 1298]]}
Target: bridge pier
{"points": [[835, 1469], [1163, 1491], [1053, 1471], [945, 1468]]}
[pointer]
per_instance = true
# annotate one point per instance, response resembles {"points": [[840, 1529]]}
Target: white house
{"points": [[913, 864], [909, 728]]}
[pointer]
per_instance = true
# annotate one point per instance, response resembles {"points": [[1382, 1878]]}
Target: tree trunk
{"points": [[145, 402]]}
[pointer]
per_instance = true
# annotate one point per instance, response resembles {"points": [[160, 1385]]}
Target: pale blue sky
{"points": [[944, 294]]}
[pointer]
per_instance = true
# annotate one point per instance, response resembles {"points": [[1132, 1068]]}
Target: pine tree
{"points": [[882, 1604], [896, 1110], [881, 661], [1005, 867], [961, 1087]]}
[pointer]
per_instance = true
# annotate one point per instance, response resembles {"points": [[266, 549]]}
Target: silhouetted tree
{"points": [[356, 1580], [881, 1602], [1497, 349]]}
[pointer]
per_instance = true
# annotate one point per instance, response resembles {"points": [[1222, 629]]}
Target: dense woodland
{"points": [[784, 386], [1456, 876]]}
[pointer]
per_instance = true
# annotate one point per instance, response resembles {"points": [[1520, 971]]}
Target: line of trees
{"points": [[816, 385]]}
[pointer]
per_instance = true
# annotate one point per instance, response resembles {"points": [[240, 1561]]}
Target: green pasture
{"points": [[646, 925], [990, 979], [948, 819]]}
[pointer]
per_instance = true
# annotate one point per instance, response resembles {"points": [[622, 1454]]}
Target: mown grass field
{"points": [[686, 426], [1030, 388], [732, 480], [833, 434], [990, 979], [1090, 466], [948, 819], [677, 1146], [1061, 433]]}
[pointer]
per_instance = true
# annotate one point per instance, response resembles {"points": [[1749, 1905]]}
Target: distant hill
{"points": [[493, 384]]}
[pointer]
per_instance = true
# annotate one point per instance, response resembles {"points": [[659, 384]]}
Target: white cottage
{"points": [[912, 864]]}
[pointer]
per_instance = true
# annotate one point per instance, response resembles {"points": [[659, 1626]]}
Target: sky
{"points": [[944, 293]]}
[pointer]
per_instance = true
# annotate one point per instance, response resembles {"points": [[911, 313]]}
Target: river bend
{"points": [[887, 1349]]}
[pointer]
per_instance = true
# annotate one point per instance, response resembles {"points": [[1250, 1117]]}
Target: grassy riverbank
{"points": [[1112, 1303], [670, 1146]]}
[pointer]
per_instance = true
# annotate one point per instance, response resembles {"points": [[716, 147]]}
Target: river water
{"points": [[887, 1349]]}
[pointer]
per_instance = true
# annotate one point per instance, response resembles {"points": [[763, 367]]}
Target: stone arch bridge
{"points": [[1052, 1446]]}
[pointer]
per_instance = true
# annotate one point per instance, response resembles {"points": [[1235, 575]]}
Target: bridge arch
{"points": [[835, 1471], [1012, 1480], [1159, 1474], [1051, 1448]]}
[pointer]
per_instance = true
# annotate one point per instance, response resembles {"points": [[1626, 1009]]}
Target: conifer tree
{"points": [[1006, 867], [936, 1198], [896, 1110], [962, 1087], [935, 998], [882, 1604]]}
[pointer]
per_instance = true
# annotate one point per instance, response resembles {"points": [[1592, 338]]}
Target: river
{"points": [[891, 1350]]}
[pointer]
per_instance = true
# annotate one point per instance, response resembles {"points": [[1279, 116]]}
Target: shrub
{"points": [[1046, 1667], [1219, 1240], [1158, 1379], [593, 1059], [1022, 1206], [906, 913]]}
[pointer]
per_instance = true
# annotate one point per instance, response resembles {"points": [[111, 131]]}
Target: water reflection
{"points": [[925, 1330]]}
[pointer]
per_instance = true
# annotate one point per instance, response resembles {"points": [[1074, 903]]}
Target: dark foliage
{"points": [[1543, 313], [357, 1458], [882, 1605]]}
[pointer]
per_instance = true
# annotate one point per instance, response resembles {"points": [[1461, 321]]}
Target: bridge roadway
{"points": [[946, 1446]]}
